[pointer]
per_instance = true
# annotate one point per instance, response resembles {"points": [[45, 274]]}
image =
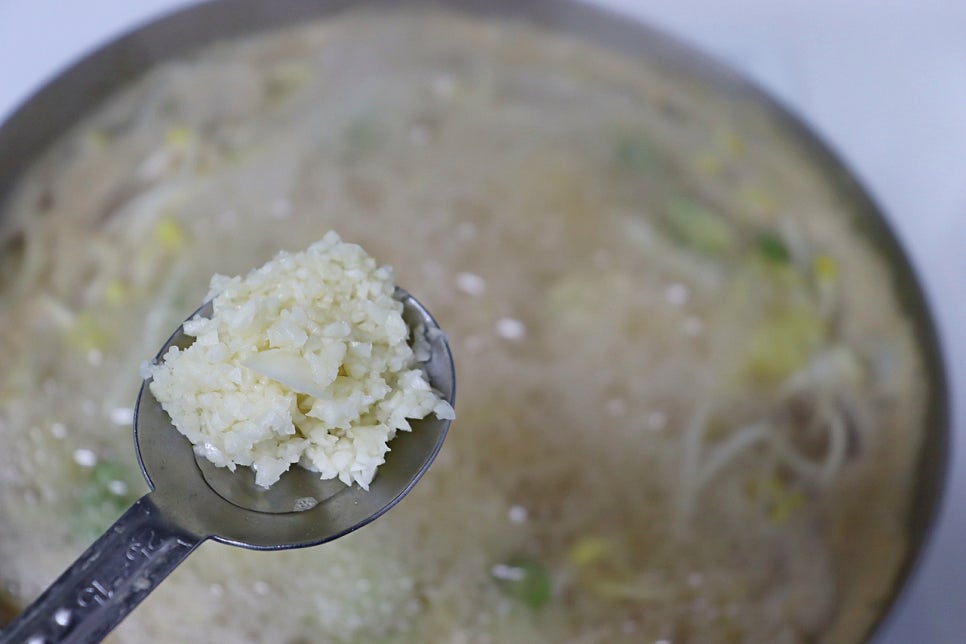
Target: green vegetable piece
{"points": [[773, 248], [784, 343], [87, 332], [825, 269], [106, 472], [591, 550], [781, 501], [637, 153], [285, 80], [698, 228], [525, 580], [103, 497]]}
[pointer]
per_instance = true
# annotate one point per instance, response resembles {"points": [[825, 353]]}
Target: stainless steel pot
{"points": [[49, 113]]}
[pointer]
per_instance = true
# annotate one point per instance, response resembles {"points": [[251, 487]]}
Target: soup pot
{"points": [[64, 102]]}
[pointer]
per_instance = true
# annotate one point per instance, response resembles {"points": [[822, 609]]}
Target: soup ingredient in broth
{"points": [[304, 360]]}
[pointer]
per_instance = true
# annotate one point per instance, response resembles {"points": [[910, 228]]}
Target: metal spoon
{"points": [[192, 501]]}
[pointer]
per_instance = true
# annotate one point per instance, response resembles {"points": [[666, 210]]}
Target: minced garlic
{"points": [[305, 360]]}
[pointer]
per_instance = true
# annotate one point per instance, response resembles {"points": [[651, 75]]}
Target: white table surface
{"points": [[884, 81]]}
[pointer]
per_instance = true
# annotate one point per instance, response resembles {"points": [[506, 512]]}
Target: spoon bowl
{"points": [[192, 501]]}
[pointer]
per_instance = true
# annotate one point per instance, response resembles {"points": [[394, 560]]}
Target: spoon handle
{"points": [[106, 582]]}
